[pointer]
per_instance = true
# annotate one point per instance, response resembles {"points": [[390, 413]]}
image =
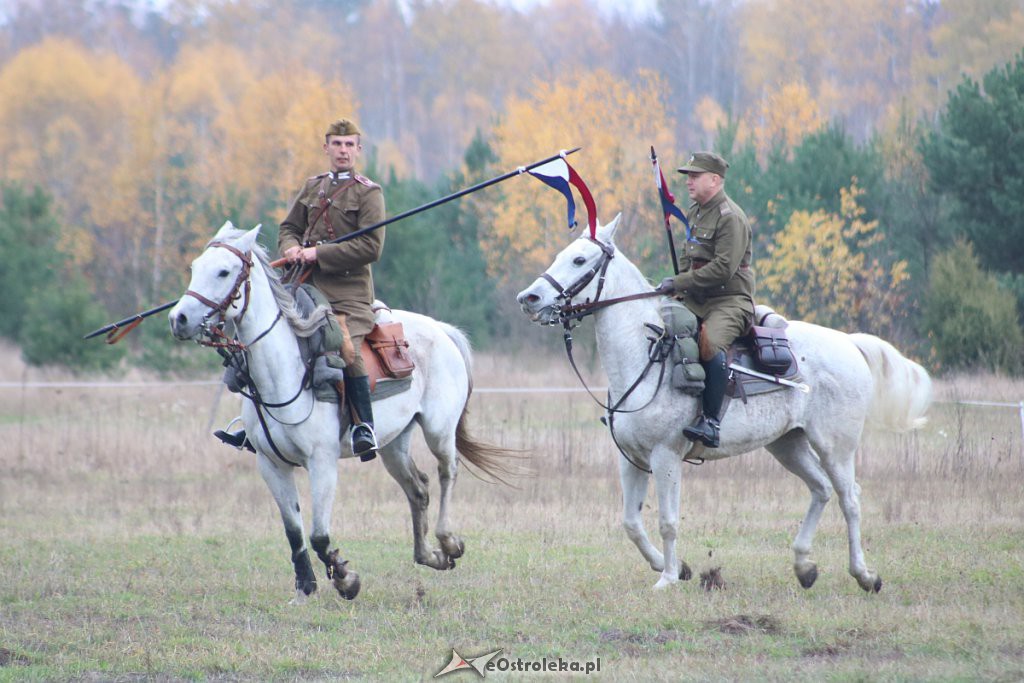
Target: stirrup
{"points": [[237, 439], [364, 441]]}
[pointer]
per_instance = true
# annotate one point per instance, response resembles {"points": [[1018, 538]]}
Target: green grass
{"points": [[140, 548]]}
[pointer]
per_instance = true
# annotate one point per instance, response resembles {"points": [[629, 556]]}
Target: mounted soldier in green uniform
{"points": [[715, 281]]}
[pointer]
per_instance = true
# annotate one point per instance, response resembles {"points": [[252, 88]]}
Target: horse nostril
{"points": [[182, 319], [533, 298]]}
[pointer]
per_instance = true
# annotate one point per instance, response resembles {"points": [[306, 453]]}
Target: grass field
{"points": [[134, 547]]}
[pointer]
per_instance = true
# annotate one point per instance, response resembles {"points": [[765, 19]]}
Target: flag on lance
{"points": [[560, 175]]}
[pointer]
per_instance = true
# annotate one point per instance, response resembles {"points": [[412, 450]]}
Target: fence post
{"points": [[1022, 426]]}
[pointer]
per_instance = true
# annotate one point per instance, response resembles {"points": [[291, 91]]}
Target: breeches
{"points": [[356, 367], [721, 327]]}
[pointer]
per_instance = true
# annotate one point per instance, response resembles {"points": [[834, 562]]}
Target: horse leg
{"points": [[837, 458], [442, 445], [280, 480], [634, 490], [667, 469], [794, 452], [323, 481], [399, 464]]}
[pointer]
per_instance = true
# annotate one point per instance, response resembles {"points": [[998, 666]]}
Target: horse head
{"points": [[573, 274], [219, 284]]}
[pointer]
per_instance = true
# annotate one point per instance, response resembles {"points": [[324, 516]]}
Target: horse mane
{"points": [[302, 326]]}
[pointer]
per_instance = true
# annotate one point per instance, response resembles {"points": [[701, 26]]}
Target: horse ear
{"points": [[247, 241], [225, 229], [606, 233]]}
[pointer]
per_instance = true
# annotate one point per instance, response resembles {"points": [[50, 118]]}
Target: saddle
{"points": [[384, 350]]}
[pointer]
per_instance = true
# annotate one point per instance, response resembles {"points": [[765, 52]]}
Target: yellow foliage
{"points": [[65, 121], [820, 269], [616, 123], [786, 116]]}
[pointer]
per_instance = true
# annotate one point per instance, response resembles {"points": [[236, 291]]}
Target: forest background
{"points": [[877, 146]]}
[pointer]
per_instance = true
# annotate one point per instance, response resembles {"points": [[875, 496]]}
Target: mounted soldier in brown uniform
{"points": [[328, 206], [715, 281]]}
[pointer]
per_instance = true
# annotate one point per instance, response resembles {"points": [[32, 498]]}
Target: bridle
{"points": [[234, 351], [570, 313], [233, 295]]}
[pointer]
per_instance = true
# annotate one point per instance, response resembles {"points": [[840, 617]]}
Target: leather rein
{"points": [[232, 346], [569, 312]]}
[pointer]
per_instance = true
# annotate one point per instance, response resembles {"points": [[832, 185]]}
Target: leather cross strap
{"points": [[322, 209]]}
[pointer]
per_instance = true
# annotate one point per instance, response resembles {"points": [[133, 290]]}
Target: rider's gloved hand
{"points": [[667, 286]]}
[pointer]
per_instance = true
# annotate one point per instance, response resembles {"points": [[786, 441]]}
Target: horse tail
{"points": [[903, 390], [489, 459]]}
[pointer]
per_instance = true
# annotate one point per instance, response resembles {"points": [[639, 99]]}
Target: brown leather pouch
{"points": [[388, 343]]}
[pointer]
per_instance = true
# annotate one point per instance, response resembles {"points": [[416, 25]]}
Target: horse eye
{"points": [[579, 260], [223, 273]]}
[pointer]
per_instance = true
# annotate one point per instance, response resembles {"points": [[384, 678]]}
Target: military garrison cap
{"points": [[705, 162], [343, 127]]}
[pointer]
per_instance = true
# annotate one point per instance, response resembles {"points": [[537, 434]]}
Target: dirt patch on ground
{"points": [[638, 644], [744, 624], [11, 658]]}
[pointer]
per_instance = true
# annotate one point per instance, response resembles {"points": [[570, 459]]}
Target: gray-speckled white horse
{"points": [[232, 280], [854, 379]]}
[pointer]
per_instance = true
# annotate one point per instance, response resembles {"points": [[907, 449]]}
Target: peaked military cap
{"points": [[705, 162], [343, 127]]}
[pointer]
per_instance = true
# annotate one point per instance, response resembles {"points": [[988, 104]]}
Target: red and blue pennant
{"points": [[560, 175]]}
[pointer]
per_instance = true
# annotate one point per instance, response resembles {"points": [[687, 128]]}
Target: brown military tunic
{"points": [[339, 204], [716, 280]]}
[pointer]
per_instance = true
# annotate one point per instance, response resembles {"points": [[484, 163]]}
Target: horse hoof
{"points": [[872, 583], [300, 598], [808, 575], [348, 585], [453, 546], [345, 581], [663, 583], [441, 561], [685, 573]]}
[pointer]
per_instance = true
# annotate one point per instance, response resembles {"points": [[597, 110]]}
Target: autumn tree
{"points": [[615, 122], [66, 122], [825, 268]]}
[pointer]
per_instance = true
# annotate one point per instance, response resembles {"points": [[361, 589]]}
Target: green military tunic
{"points": [[340, 204], [715, 278]]}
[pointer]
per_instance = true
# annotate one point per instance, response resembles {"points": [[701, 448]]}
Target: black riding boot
{"points": [[705, 427], [236, 439], [364, 441]]}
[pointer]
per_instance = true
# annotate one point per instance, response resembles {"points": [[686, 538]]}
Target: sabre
{"points": [[115, 331], [800, 386]]}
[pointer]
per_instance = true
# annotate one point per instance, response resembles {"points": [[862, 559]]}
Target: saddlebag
{"points": [[771, 349], [387, 340]]}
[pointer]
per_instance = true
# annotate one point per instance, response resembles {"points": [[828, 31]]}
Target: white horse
{"points": [[295, 429], [854, 379]]}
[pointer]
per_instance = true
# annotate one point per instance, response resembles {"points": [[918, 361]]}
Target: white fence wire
{"points": [[1019, 406]]}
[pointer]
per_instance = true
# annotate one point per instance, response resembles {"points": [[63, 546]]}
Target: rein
{"points": [[568, 312], [232, 346]]}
